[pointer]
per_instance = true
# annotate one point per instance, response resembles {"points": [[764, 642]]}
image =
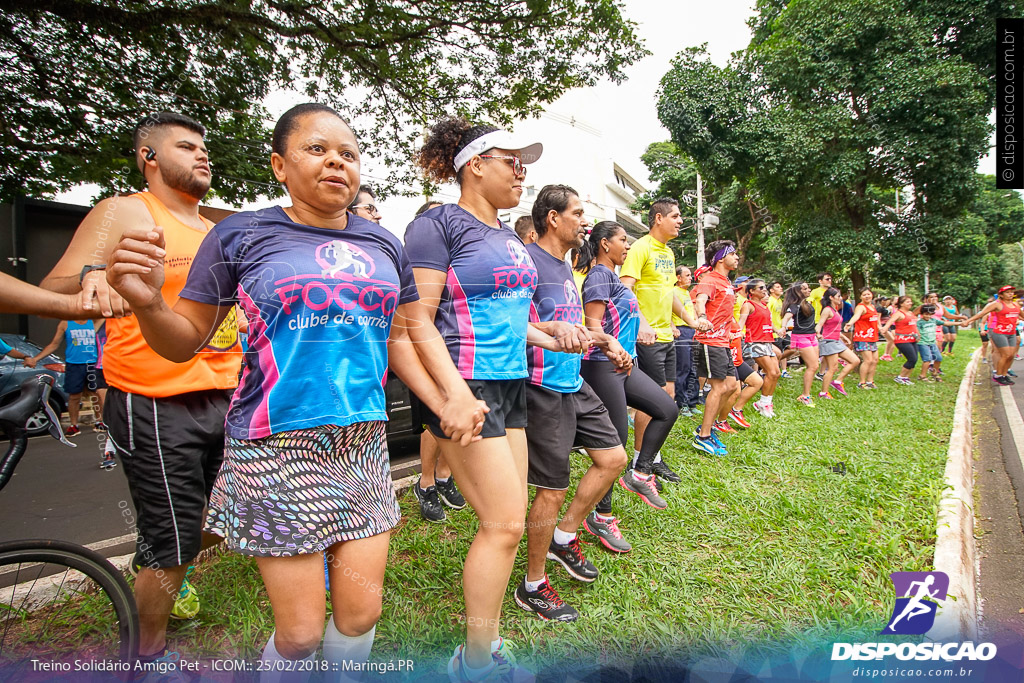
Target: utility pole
{"points": [[903, 284], [700, 223], [926, 287]]}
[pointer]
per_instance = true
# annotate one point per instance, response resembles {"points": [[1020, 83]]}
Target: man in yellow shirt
{"points": [[738, 293], [686, 390], [650, 271], [824, 282], [775, 303]]}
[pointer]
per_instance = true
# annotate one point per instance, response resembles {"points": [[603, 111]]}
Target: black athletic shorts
{"points": [[557, 423], [743, 371], [782, 343], [171, 450], [713, 362], [658, 361], [505, 397], [81, 376]]}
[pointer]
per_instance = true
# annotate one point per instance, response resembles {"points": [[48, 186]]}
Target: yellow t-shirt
{"points": [[775, 306], [684, 298], [740, 299], [815, 299], [653, 266]]}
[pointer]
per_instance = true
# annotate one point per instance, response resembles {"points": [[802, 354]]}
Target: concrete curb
{"points": [[957, 618]]}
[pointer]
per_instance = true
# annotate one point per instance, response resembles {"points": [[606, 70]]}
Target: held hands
{"points": [[30, 362], [570, 338], [136, 267], [645, 335], [703, 324], [622, 361], [462, 417], [96, 293]]}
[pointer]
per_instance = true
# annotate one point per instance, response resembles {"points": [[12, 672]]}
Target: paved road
{"points": [[60, 492], [999, 470]]}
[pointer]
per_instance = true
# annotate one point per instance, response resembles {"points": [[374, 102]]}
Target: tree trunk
{"points": [[858, 284]]}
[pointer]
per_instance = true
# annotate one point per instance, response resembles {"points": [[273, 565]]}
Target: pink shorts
{"points": [[803, 341]]}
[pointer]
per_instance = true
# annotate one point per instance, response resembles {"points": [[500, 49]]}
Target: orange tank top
{"points": [[128, 362]]}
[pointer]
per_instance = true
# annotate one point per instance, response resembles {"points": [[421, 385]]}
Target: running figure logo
{"points": [[337, 257], [918, 595], [518, 253]]}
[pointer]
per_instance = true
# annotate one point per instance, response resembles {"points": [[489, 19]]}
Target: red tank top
{"points": [[906, 328], [866, 327], [759, 324], [1005, 321]]}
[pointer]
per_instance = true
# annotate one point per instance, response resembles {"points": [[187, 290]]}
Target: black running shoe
{"points": [[545, 603], [571, 557], [647, 490], [430, 503], [449, 494], [663, 472]]}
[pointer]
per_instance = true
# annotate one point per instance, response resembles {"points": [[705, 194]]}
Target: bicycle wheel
{"points": [[64, 605]]}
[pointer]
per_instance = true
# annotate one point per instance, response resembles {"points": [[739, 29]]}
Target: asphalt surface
{"points": [[61, 493], [999, 497]]}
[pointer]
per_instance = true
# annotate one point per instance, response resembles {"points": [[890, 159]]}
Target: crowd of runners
{"points": [[287, 460]]}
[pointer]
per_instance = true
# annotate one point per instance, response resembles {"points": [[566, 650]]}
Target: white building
{"points": [[576, 153]]}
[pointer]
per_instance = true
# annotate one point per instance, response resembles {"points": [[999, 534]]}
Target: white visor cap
{"points": [[529, 152]]}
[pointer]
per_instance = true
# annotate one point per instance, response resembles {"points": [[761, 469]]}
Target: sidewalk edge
{"points": [[957, 617]]}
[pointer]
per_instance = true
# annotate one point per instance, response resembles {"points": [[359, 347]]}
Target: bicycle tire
{"points": [[75, 557]]}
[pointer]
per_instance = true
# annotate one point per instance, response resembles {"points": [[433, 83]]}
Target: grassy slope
{"points": [[767, 544]]}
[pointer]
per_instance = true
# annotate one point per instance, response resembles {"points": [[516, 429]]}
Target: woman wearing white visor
{"points": [[477, 279]]}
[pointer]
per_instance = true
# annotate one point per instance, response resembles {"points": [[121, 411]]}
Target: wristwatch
{"points": [[89, 269]]}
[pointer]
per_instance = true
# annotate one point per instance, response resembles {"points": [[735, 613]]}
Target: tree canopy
{"points": [[78, 74], [833, 106]]}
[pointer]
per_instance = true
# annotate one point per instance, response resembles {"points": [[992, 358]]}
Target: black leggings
{"points": [[909, 351], [617, 391]]}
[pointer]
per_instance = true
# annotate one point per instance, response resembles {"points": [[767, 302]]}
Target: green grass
{"points": [[766, 546]]}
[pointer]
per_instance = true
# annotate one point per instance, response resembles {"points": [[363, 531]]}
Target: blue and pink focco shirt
{"points": [[621, 314], [485, 304], [556, 298], [319, 304]]}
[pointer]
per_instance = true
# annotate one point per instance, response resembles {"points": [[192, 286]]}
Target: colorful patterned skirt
{"points": [[302, 491]]}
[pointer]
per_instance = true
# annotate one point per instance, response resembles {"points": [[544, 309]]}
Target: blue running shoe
{"points": [[705, 444]]}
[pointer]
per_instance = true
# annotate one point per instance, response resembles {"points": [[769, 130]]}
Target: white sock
{"points": [[531, 587], [604, 519], [657, 457], [636, 456], [495, 644], [768, 400], [298, 674], [564, 537], [339, 648], [442, 480]]}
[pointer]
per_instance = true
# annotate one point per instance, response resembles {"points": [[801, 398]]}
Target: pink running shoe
{"points": [[838, 386]]}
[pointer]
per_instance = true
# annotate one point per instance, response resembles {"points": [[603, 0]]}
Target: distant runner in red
{"points": [[713, 300], [864, 324], [1002, 330]]}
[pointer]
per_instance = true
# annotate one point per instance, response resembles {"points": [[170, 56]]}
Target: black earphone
{"points": [[151, 154]]}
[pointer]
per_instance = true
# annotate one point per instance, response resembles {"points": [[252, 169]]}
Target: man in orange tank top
{"points": [[165, 419]]}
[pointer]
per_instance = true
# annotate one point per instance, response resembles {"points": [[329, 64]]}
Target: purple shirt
{"points": [[485, 304], [556, 298], [319, 304], [621, 314]]}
